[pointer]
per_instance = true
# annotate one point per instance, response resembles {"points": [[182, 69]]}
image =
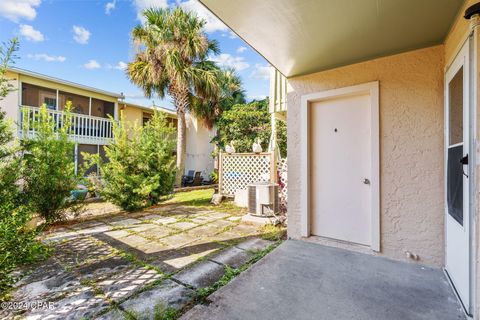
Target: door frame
{"points": [[468, 49], [371, 88]]}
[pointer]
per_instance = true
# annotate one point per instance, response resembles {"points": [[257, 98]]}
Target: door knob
{"points": [[366, 181]]}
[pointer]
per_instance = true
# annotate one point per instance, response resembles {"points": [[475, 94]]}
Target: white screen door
{"points": [[457, 137]]}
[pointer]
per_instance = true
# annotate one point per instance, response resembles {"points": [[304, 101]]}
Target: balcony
{"points": [[85, 129]]}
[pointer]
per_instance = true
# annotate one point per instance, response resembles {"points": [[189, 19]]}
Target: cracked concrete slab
{"points": [[201, 275], [166, 295], [254, 244], [232, 257]]}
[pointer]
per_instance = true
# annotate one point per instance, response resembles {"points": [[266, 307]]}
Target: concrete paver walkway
{"points": [[301, 280], [141, 265]]}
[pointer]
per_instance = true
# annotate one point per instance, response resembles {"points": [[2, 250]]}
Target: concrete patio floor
{"points": [[301, 280]]}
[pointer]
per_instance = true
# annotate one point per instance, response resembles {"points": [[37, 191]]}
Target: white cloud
{"points": [[92, 64], [120, 66], [46, 57], [232, 35], [30, 33], [241, 49], [110, 6], [261, 72], [138, 95], [229, 61], [259, 97], [213, 23], [15, 10], [80, 34], [141, 5]]}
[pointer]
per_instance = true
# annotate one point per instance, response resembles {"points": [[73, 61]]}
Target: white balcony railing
{"points": [[85, 128]]}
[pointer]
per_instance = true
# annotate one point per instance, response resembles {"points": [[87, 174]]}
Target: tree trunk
{"points": [[181, 101], [181, 147]]}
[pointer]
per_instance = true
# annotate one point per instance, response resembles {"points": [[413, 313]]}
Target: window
{"points": [[146, 117], [35, 96], [50, 102], [101, 108], [80, 104]]}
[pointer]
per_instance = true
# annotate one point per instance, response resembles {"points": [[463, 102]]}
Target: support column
{"points": [[115, 111], [75, 157]]}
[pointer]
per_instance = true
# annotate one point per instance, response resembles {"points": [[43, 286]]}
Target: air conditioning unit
{"points": [[263, 199]]}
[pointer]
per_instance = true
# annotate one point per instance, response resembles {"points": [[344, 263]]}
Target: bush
{"points": [[245, 123], [141, 166], [17, 243], [48, 166]]}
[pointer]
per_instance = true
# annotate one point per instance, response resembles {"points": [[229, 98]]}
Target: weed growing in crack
{"points": [[230, 273]]}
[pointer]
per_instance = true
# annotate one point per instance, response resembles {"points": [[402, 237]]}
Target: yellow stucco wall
{"points": [[411, 148], [131, 113], [63, 87]]}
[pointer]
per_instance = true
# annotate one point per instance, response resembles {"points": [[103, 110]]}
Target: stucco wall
{"points": [[199, 148], [10, 104], [132, 114], [411, 148]]}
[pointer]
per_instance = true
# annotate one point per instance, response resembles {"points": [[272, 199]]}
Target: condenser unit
{"points": [[263, 199]]}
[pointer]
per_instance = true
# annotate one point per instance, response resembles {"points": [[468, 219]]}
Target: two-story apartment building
{"points": [[92, 108]]}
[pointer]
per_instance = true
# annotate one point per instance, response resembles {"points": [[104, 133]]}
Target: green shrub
{"points": [[141, 166], [17, 243], [48, 165], [245, 123]]}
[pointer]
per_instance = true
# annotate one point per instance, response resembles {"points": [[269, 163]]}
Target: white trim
{"points": [[56, 100], [61, 81], [89, 106], [371, 88]]}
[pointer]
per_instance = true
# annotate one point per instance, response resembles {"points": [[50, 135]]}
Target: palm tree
{"points": [[230, 93], [172, 58]]}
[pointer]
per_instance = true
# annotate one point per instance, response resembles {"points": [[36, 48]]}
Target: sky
{"points": [[89, 42]]}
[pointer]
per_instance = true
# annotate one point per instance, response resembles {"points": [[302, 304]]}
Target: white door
{"points": [[457, 138], [341, 168]]}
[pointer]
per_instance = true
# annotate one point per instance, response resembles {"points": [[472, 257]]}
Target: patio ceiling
{"points": [[305, 36]]}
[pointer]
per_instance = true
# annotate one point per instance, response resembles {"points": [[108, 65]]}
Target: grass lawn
{"points": [[201, 198]]}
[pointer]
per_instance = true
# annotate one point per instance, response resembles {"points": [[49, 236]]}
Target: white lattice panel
{"points": [[240, 170]]}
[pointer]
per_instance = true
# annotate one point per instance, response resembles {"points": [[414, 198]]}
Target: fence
{"points": [[238, 170]]}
